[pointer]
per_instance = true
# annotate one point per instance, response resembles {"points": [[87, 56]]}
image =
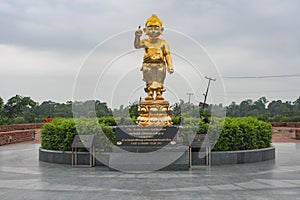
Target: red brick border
{"points": [[286, 124], [13, 127], [16, 136], [18, 132]]}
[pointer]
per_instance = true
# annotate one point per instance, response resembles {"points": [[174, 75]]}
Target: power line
{"points": [[262, 77], [259, 91]]}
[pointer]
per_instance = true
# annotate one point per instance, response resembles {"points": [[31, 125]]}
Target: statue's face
{"points": [[153, 31]]}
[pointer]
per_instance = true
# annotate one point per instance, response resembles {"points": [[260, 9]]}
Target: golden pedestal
{"points": [[154, 113]]}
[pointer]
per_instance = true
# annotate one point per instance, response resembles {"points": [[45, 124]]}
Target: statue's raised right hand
{"points": [[139, 32]]}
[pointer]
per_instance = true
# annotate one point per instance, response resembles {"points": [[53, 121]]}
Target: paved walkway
{"points": [[22, 176]]}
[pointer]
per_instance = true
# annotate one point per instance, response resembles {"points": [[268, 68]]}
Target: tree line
{"points": [[19, 109], [276, 110]]}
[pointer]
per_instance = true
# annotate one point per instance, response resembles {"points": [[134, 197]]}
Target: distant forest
{"points": [[20, 109]]}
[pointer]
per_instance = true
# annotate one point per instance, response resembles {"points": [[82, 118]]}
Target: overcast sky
{"points": [[251, 47]]}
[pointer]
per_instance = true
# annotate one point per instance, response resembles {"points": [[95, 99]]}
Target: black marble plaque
{"points": [[145, 136]]}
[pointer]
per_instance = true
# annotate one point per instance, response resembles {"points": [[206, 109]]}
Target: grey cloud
{"points": [[243, 37]]}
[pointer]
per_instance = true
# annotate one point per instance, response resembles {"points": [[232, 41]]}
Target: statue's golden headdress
{"points": [[153, 21]]}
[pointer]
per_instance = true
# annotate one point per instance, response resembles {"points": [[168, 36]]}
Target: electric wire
{"points": [[262, 77]]}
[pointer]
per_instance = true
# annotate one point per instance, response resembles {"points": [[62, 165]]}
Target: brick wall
{"points": [[16, 136], [286, 124], [18, 132], [13, 127]]}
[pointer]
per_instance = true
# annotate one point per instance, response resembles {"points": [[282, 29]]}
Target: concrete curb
{"points": [[243, 157], [217, 158]]}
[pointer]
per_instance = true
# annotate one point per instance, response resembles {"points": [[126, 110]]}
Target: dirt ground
{"points": [[284, 134]]}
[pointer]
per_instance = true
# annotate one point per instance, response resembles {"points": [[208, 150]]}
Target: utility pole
{"points": [[189, 94], [205, 94]]}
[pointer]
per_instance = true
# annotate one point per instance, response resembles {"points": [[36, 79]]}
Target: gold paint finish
{"points": [[154, 111]]}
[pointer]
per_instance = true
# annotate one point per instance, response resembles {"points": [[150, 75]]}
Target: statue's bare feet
{"points": [[150, 95], [159, 97], [149, 98]]}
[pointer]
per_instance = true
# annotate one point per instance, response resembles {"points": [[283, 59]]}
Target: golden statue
{"points": [[154, 111], [156, 57]]}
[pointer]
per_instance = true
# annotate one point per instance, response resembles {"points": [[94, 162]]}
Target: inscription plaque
{"points": [[145, 136]]}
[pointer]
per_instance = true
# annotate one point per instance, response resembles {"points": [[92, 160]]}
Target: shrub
{"points": [[244, 134], [90, 126], [232, 133], [176, 120], [237, 133], [108, 121], [203, 127], [59, 133], [198, 126]]}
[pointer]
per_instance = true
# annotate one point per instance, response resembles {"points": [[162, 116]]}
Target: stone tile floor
{"points": [[22, 176]]}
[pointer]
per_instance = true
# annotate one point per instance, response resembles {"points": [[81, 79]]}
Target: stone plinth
{"points": [[154, 113]]}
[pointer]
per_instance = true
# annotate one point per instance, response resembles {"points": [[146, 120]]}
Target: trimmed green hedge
{"points": [[237, 133], [244, 134], [60, 132]]}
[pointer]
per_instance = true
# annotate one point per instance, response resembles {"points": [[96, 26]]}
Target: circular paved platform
{"points": [[22, 176]]}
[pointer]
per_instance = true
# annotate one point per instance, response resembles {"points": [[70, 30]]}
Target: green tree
{"points": [[259, 108], [102, 110], [19, 106], [91, 108], [233, 110], [1, 103], [260, 104], [296, 107], [278, 108], [133, 110], [246, 107], [63, 110], [121, 112], [186, 109], [2, 118], [46, 109]]}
